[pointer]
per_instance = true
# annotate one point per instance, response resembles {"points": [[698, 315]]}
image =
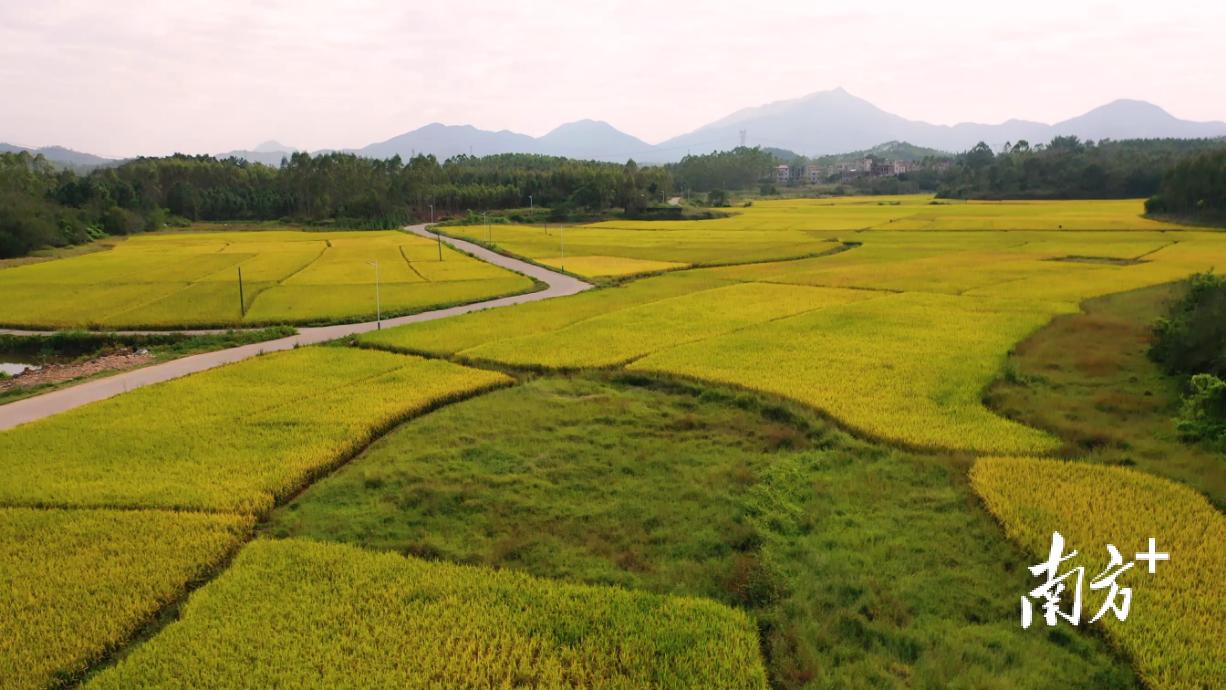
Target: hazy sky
{"points": [[121, 77]]}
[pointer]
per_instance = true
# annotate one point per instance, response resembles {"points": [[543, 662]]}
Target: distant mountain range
{"points": [[61, 156], [820, 124], [833, 122]]}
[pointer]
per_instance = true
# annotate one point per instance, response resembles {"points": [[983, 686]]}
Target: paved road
{"points": [[51, 403]]}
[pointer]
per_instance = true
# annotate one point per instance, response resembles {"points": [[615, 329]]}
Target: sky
{"points": [[122, 77]]}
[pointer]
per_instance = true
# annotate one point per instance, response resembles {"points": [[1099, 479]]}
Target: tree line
{"points": [[1194, 189], [42, 205], [1068, 168]]}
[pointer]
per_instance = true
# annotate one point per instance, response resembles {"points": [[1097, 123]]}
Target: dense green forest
{"points": [[1068, 168], [1194, 189]]}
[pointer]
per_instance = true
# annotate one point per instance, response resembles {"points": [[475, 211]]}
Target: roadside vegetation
{"points": [[66, 358]]}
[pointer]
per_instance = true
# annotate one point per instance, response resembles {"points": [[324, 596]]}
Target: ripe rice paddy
{"points": [[358, 618], [237, 438], [75, 584], [186, 280], [1174, 631]]}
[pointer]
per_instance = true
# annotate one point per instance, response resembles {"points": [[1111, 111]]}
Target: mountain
{"points": [[62, 156], [445, 141], [592, 140], [1128, 119], [273, 146], [269, 153], [833, 122], [821, 124]]}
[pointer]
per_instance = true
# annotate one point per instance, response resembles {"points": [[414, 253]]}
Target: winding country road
{"points": [[45, 405]]}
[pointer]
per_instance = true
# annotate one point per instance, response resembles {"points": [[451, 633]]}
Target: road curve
{"points": [[45, 405]]}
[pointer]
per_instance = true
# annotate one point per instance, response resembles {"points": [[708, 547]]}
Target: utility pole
{"points": [[378, 305], [562, 240], [242, 303], [489, 234], [437, 235]]}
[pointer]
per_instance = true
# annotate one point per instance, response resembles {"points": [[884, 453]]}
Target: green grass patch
{"points": [[863, 566], [1087, 378]]}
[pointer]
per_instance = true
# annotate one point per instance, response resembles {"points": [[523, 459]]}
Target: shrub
{"points": [[1203, 414], [1192, 339]]}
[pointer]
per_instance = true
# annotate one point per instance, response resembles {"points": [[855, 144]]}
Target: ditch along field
{"points": [[186, 280], [733, 476]]}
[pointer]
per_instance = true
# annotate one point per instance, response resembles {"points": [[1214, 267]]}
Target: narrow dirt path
{"points": [[30, 409]]}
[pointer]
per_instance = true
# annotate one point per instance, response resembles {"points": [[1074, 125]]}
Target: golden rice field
{"points": [[1175, 632], [626, 334], [774, 230], [191, 280], [608, 266], [75, 584], [303, 614], [881, 367], [237, 438], [943, 297]]}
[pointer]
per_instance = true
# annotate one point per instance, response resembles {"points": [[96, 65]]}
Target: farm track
{"points": [[30, 409]]}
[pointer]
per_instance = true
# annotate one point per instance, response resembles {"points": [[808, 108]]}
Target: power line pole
{"points": [[562, 240], [378, 305], [242, 302], [489, 234], [743, 138], [437, 235]]}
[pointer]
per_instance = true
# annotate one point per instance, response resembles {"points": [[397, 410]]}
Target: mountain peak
{"points": [[272, 146], [584, 125]]}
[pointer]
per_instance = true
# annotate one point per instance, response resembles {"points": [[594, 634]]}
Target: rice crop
{"points": [[605, 266], [1174, 632], [452, 335], [236, 438], [626, 334], [304, 614], [908, 368], [75, 584], [191, 279]]}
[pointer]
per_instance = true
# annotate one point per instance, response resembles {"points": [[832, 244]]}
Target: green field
{"points": [[185, 280]]}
